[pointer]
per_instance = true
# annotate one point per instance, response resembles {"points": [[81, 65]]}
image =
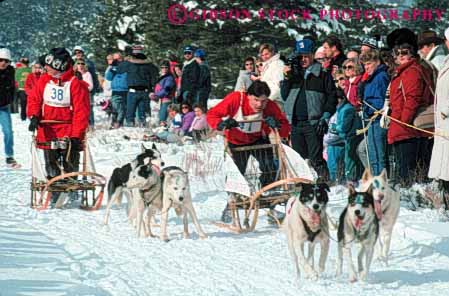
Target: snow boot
{"points": [[12, 163]]}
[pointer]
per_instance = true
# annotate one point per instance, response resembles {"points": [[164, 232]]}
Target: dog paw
{"points": [[352, 278]]}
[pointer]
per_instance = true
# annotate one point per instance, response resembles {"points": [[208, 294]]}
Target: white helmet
{"points": [[5, 54]]}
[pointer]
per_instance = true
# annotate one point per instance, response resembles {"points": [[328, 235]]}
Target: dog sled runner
{"points": [[84, 183], [273, 173]]}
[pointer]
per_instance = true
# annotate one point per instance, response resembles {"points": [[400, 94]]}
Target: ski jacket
{"points": [[237, 101], [7, 85], [375, 88], [31, 81], [65, 99]]}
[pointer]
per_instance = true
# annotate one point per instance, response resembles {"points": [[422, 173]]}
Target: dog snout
{"points": [[381, 196], [357, 212], [181, 198], [316, 207], [162, 163]]}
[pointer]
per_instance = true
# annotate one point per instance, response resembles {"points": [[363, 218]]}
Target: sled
{"points": [[84, 183], [246, 196]]}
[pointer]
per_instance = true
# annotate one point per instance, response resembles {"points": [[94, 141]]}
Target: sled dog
{"points": [[175, 194], [141, 178], [386, 206], [306, 221], [358, 224], [120, 176]]}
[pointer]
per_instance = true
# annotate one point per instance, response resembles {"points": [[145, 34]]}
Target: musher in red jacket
{"points": [[263, 116], [61, 97]]}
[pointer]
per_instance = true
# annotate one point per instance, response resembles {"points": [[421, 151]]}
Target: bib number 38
{"points": [[57, 94]]}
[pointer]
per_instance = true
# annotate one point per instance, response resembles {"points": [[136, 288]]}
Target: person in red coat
{"points": [[262, 116], [408, 92], [62, 97]]}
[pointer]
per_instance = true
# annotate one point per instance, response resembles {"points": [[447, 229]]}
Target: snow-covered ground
{"points": [[71, 252]]}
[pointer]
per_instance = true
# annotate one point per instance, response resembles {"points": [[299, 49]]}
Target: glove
{"points": [[34, 123], [322, 127], [76, 144], [272, 122], [227, 124], [384, 120], [78, 75]]}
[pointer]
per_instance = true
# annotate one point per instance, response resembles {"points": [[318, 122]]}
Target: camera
{"points": [[58, 144], [293, 62]]}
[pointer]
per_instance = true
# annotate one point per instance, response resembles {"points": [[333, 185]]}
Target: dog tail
{"points": [[111, 189]]}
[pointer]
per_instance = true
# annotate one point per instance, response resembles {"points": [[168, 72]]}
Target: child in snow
{"points": [[199, 126], [170, 131]]}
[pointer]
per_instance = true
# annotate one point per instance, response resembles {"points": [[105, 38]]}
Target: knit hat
{"points": [[58, 59], [370, 42], [200, 53], [5, 54], [165, 64], [304, 46]]}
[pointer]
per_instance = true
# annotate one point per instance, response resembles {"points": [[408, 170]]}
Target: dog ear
{"points": [[351, 189], [154, 147], [326, 187], [384, 175], [366, 175]]}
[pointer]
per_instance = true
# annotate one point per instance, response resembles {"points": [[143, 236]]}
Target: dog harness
{"points": [[310, 234], [148, 202]]}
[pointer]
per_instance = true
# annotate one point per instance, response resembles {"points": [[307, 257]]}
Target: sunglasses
{"points": [[339, 79], [4, 60], [259, 65], [399, 52], [348, 67], [187, 52], [184, 107], [249, 64]]}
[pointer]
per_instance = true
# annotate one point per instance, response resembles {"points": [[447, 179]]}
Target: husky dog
{"points": [[358, 224], [141, 178], [120, 176], [306, 221], [386, 207], [176, 194]]}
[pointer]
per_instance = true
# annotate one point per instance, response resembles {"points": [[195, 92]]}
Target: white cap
{"points": [[446, 34], [5, 54], [78, 48]]}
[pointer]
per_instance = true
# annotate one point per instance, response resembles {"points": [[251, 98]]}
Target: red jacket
{"points": [[77, 114], [407, 80], [31, 81], [229, 106], [351, 92]]}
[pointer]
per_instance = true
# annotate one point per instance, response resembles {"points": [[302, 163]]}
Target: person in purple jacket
{"points": [[164, 90], [187, 118]]}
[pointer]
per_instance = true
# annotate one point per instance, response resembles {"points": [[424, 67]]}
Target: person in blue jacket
{"points": [[119, 86], [374, 93], [164, 90]]}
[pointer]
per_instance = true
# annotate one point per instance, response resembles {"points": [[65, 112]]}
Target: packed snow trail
{"points": [[71, 252]]}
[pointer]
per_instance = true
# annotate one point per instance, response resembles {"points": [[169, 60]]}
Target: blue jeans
{"points": [[377, 145], [163, 113], [335, 156], [5, 123], [136, 101], [91, 116], [118, 101]]}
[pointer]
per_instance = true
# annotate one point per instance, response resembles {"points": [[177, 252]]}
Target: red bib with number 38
{"points": [[57, 96]]}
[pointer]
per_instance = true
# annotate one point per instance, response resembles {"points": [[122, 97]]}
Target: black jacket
{"points": [[204, 82], [190, 79], [140, 73], [7, 85], [317, 91]]}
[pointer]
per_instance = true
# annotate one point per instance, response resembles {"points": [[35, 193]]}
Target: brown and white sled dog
{"points": [[358, 224], [175, 194], [306, 221], [386, 206]]}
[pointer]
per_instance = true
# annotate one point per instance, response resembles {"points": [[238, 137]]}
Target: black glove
{"points": [[114, 63], [76, 144], [227, 124], [78, 75], [34, 123], [322, 127], [272, 122]]}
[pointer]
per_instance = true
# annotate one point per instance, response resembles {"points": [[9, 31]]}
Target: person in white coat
{"points": [[439, 164], [272, 72]]}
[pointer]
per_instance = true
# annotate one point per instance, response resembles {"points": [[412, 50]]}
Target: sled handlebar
{"points": [[47, 121]]}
